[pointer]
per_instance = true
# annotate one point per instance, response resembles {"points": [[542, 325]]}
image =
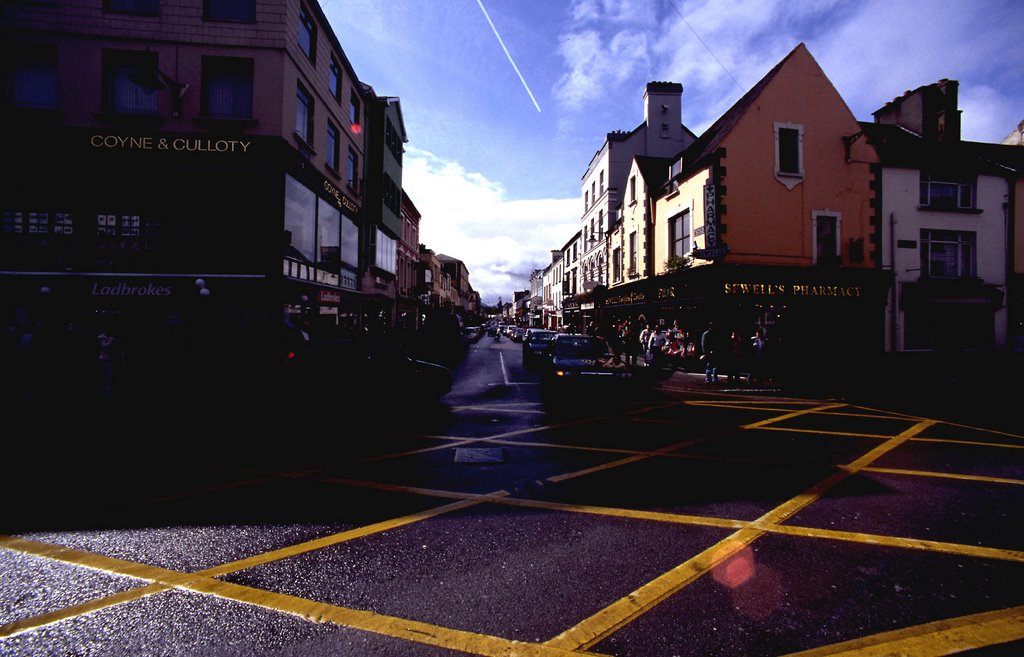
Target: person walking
{"points": [[757, 346], [655, 347], [710, 353], [645, 337], [735, 357]]}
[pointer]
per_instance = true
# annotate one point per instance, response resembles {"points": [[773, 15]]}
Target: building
{"points": [[408, 306], [183, 177], [946, 206], [774, 207], [569, 266], [661, 133]]}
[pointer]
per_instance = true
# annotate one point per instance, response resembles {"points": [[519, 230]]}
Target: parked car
{"points": [[581, 360], [536, 348]]}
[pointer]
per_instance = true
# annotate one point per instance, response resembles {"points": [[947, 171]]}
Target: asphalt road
{"points": [[669, 518]]}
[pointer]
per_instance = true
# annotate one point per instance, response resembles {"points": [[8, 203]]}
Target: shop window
{"points": [[385, 250], [227, 87], [328, 238], [122, 240], [307, 34], [32, 77], [123, 70], [303, 114], [826, 238], [948, 254], [349, 241], [243, 11], [299, 220], [947, 191]]}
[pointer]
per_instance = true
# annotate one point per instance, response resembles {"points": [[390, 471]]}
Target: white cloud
{"points": [[467, 216]]}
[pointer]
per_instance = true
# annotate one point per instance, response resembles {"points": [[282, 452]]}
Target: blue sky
{"points": [[499, 141]]}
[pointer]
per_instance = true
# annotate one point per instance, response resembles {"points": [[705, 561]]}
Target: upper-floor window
{"points": [[826, 238], [593, 191], [632, 189], [32, 77], [148, 7], [601, 178], [632, 254], [334, 78], [333, 145], [123, 70], [679, 234], [227, 87], [230, 10], [307, 34], [353, 169], [303, 114], [392, 140], [586, 200], [354, 113], [948, 253], [948, 191], [789, 157], [616, 264]]}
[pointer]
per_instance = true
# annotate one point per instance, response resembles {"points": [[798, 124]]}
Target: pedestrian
{"points": [[106, 360], [630, 342], [757, 364], [710, 353], [655, 347], [644, 338], [734, 354]]}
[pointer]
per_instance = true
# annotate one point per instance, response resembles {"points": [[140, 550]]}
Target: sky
{"points": [[505, 102]]}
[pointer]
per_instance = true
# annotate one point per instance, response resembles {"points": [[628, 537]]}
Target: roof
{"points": [[899, 147]]}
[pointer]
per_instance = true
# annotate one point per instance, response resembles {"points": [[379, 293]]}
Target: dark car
{"points": [[536, 347], [583, 360]]}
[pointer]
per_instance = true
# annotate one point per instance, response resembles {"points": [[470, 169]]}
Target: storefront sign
{"points": [[189, 144], [328, 297], [632, 297], [666, 292], [710, 216], [128, 290], [342, 200], [794, 290]]}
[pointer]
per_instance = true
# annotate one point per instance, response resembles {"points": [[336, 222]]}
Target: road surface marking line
{"points": [[973, 443], [504, 370], [959, 549], [597, 627], [400, 628], [827, 432], [455, 442], [944, 637], [788, 416], [946, 475], [67, 613], [499, 409], [334, 539]]}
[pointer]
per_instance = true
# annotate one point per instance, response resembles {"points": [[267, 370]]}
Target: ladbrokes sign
{"points": [[130, 290]]}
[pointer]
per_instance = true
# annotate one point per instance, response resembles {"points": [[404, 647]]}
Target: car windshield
{"points": [[541, 336], [581, 347]]}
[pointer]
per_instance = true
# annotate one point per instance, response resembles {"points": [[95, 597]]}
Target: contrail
{"points": [[521, 79]]}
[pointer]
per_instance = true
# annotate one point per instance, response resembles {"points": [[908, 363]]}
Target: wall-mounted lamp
{"points": [[151, 79]]}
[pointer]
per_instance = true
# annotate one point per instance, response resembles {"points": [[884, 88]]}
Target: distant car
{"points": [[518, 333], [582, 360], [536, 348]]}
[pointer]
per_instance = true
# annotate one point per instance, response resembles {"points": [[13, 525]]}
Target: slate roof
{"points": [[899, 147]]}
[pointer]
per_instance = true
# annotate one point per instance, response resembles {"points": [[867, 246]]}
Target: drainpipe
{"points": [[894, 311]]}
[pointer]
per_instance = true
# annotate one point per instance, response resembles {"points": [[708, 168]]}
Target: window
{"points": [[122, 93], [303, 114], [299, 220], [230, 10], [334, 78], [593, 191], [353, 114], [32, 81], [632, 255], [227, 87], [826, 238], [593, 235], [328, 236], [392, 140], [617, 264], [349, 241], [121, 239], [586, 200], [333, 146], [385, 251], [947, 191], [948, 253], [601, 178], [148, 7], [632, 189], [353, 169], [789, 161], [307, 34], [679, 235]]}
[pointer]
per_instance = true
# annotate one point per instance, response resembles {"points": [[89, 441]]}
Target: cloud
{"points": [[469, 217]]}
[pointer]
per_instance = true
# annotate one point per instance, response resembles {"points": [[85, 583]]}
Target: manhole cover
{"points": [[479, 455]]}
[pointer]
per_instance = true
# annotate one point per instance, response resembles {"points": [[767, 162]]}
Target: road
{"points": [[671, 519]]}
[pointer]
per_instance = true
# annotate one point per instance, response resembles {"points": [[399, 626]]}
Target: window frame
{"points": [[230, 11], [117, 63], [333, 146], [816, 255], [929, 180], [789, 178], [307, 29], [303, 94], [968, 239], [31, 67], [227, 70], [685, 238]]}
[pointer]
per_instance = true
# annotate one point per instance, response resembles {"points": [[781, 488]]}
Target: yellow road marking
{"points": [[827, 432], [789, 416], [943, 637], [946, 475], [973, 443]]}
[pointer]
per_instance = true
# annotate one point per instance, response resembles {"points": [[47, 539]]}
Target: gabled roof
{"points": [[699, 153], [653, 169]]}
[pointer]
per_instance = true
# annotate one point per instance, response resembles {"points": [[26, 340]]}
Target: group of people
{"points": [[645, 344]]}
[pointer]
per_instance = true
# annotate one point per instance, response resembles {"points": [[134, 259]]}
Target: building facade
{"points": [[215, 153]]}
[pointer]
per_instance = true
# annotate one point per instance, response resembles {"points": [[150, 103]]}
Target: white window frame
{"points": [[789, 178]]}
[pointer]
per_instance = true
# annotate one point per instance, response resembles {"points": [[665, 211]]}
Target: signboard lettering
{"points": [[794, 290], [188, 144]]}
